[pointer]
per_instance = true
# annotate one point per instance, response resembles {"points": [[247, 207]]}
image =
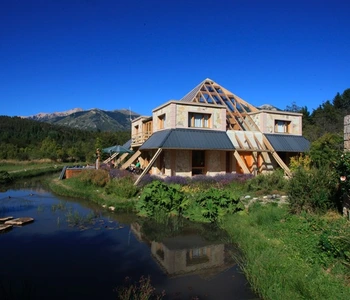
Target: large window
{"points": [[199, 120], [282, 126]]}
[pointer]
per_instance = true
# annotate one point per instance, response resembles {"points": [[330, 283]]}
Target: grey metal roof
{"points": [[188, 139], [127, 145], [288, 143]]}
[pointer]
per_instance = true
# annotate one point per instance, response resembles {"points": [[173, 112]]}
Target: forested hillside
{"points": [[327, 118], [28, 139], [25, 139]]}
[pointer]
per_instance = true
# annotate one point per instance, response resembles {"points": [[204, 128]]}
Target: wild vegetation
{"points": [[24, 139], [299, 250]]}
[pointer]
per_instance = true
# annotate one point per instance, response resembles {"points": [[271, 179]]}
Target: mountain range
{"points": [[92, 119], [97, 119]]}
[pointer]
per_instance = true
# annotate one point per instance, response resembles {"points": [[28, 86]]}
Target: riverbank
{"points": [[284, 256], [291, 256]]}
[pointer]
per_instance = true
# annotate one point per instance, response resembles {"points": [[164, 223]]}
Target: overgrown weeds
{"points": [[292, 256], [141, 290]]}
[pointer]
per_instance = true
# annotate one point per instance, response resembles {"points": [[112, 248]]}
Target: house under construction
{"points": [[213, 131]]}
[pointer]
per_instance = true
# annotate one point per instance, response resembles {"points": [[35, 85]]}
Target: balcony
{"points": [[139, 138]]}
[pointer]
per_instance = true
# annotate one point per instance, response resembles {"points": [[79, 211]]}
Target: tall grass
{"points": [[272, 259]]}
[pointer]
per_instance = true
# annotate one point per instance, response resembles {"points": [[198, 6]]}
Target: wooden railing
{"points": [[140, 138]]}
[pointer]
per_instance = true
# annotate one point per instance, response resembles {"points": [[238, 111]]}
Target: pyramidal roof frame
{"points": [[237, 112]]}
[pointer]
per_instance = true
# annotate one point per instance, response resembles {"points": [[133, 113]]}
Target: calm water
{"points": [[76, 250]]}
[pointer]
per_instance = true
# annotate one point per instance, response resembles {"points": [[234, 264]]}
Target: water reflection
{"points": [[76, 250], [188, 253]]}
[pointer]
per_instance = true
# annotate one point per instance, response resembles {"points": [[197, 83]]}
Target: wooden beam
{"points": [[131, 159], [241, 162], [106, 161], [145, 171], [276, 157]]}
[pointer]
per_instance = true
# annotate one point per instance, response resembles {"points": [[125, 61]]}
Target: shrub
{"points": [[96, 177], [312, 190], [118, 173], [266, 183], [122, 187], [5, 177], [147, 179], [302, 160], [177, 180], [158, 196], [214, 204]]}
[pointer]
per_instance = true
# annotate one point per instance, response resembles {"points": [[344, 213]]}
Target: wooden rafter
{"points": [[243, 120], [131, 159], [148, 167], [230, 113], [241, 162]]}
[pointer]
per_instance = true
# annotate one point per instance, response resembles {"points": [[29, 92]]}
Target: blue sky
{"points": [[138, 54]]}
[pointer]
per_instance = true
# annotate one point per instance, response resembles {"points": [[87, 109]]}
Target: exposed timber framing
{"points": [[241, 162], [145, 171], [237, 118], [114, 155], [131, 159]]}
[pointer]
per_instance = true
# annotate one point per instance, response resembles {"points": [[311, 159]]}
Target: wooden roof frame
{"points": [[237, 115]]}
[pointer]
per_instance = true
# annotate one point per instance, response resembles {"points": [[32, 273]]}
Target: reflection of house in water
{"points": [[188, 254]]}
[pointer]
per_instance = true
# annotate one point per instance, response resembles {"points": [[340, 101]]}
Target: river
{"points": [[75, 249]]}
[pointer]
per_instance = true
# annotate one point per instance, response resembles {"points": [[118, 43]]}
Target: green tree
{"points": [[325, 150]]}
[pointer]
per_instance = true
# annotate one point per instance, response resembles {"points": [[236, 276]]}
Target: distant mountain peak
{"points": [[268, 107], [56, 114], [92, 119]]}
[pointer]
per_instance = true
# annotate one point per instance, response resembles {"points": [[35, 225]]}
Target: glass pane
{"points": [[206, 121], [197, 120]]}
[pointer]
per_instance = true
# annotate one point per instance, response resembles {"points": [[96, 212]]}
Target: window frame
{"points": [[199, 120], [161, 121], [285, 124]]}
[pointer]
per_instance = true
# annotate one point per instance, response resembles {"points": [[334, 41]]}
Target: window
{"points": [[282, 126], [161, 121], [199, 120], [196, 256], [198, 162]]}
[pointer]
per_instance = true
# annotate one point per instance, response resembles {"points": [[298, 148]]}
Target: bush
{"points": [[160, 197], [122, 187], [312, 190], [213, 204], [96, 177], [266, 183], [5, 177]]}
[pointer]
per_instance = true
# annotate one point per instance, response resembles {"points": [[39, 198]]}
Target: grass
{"points": [[284, 256], [281, 256], [27, 169], [73, 187]]}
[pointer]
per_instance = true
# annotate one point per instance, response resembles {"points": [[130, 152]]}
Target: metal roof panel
{"points": [[189, 139], [288, 143]]}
